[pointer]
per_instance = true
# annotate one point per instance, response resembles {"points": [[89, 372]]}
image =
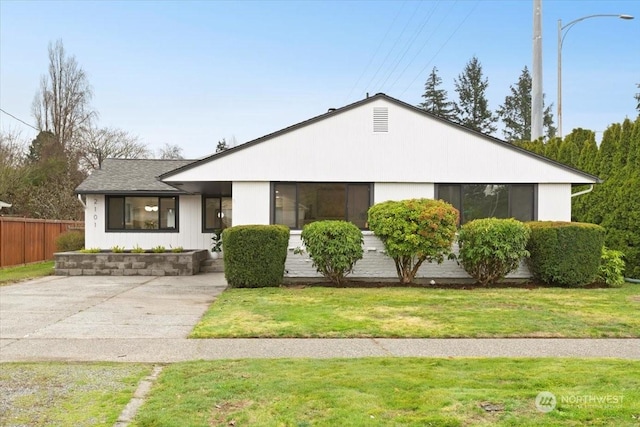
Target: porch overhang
{"points": [[202, 187]]}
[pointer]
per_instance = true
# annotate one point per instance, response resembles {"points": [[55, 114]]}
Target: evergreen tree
{"points": [[568, 153], [624, 144], [537, 146], [637, 97], [472, 108], [516, 111], [435, 99], [615, 204], [588, 157], [552, 148], [607, 150], [580, 137]]}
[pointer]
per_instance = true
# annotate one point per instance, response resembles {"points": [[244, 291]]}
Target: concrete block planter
{"points": [[108, 263]]}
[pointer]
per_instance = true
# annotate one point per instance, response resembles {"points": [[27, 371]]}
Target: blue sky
{"points": [[191, 73]]}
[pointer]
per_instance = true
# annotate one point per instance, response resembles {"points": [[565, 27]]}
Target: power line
{"points": [[441, 47], [20, 120], [377, 50], [409, 44], [426, 42], [393, 47]]}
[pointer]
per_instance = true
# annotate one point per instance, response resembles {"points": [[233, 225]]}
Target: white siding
{"points": [[190, 235], [554, 202], [383, 191], [251, 202], [344, 148], [376, 264]]}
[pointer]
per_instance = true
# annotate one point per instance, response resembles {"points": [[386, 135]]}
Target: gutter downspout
{"points": [[81, 202], [580, 193]]}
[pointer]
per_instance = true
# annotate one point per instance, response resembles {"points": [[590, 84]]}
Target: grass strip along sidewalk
{"points": [[423, 313], [395, 392]]}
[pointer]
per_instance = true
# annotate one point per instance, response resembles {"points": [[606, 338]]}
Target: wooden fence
{"points": [[25, 240]]}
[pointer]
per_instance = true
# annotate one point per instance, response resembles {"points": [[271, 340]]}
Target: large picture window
{"points": [[217, 213], [476, 201], [298, 204], [146, 213]]}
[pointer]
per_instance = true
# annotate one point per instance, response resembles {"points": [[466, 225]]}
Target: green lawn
{"points": [[394, 392], [422, 312], [23, 272], [66, 394]]}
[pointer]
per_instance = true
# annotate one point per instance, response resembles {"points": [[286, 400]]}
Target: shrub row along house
{"points": [[333, 166]]}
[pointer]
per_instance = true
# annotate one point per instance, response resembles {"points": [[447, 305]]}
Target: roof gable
{"points": [[348, 133]]}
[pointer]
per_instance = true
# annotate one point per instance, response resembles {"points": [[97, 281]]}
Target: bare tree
{"points": [[11, 168], [62, 104], [170, 151], [12, 149], [98, 144]]}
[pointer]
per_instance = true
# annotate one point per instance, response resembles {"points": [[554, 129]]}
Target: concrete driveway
{"points": [[105, 307]]}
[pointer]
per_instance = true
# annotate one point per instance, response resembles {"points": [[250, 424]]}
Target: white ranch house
{"points": [[333, 166]]}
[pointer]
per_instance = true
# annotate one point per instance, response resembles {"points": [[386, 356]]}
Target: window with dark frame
{"points": [[216, 213], [475, 201], [142, 213], [296, 204]]}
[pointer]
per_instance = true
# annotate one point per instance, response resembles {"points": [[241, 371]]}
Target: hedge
{"points": [[565, 253], [254, 255]]}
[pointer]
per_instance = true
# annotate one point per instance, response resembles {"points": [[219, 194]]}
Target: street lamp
{"points": [[561, 37]]}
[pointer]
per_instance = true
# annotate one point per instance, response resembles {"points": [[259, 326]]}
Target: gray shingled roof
{"points": [[130, 175]]}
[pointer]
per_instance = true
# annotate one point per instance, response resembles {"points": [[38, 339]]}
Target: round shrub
{"points": [[334, 247], [565, 253], [414, 231], [70, 241], [254, 255], [491, 248]]}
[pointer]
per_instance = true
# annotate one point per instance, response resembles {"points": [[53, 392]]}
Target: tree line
{"points": [[471, 109]]}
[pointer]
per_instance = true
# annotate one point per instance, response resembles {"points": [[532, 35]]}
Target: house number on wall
{"points": [[95, 212]]}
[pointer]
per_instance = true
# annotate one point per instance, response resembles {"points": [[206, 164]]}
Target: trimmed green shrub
{"points": [[414, 231], [565, 253], [491, 248], [91, 251], [70, 241], [334, 247], [254, 255], [158, 249], [611, 271]]}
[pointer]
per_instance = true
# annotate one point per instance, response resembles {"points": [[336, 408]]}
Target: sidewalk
{"points": [[177, 350], [147, 319]]}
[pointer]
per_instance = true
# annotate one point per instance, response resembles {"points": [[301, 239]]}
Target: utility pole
{"points": [[536, 73]]}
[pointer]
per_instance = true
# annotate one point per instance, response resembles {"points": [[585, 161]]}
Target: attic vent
{"points": [[380, 119]]}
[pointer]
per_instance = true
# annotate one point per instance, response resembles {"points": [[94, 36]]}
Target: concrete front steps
{"points": [[212, 265]]}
